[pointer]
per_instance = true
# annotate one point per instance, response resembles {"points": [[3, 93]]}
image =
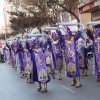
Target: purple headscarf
{"points": [[14, 44], [97, 30], [36, 41], [54, 34], [68, 33]]}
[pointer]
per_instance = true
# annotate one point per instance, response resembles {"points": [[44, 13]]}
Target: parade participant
{"points": [[82, 56], [6, 54], [12, 53], [63, 31], [96, 46], [13, 56], [71, 58], [48, 53], [19, 57], [89, 48], [57, 54], [40, 73], [13, 50], [27, 64], [61, 39], [9, 53]]}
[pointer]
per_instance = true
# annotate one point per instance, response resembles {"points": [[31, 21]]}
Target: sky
{"points": [[1, 14]]}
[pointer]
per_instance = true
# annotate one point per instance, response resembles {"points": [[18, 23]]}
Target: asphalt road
{"points": [[12, 87]]}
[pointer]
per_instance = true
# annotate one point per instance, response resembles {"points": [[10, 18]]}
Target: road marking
{"points": [[67, 88]]}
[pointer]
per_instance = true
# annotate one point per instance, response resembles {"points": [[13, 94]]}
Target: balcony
{"points": [[91, 6]]}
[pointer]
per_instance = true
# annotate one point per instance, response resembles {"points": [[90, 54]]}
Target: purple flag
{"points": [[97, 53]]}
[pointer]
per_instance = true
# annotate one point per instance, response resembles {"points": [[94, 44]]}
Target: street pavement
{"points": [[12, 87]]}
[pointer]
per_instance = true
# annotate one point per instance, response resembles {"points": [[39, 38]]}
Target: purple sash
{"points": [[57, 52], [48, 56], [70, 58], [13, 57], [7, 55], [97, 53], [27, 62], [41, 66], [27, 58]]}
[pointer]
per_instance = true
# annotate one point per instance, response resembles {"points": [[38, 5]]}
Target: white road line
{"points": [[67, 88]]}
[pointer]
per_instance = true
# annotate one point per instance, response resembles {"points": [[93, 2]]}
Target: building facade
{"points": [[89, 11]]}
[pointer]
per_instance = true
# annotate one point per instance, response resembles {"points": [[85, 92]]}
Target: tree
{"points": [[19, 21], [33, 16], [67, 5], [39, 13], [43, 15]]}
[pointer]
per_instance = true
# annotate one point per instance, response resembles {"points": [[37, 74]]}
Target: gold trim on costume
{"points": [[81, 61], [28, 68], [59, 63], [71, 67], [70, 52], [43, 75]]}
